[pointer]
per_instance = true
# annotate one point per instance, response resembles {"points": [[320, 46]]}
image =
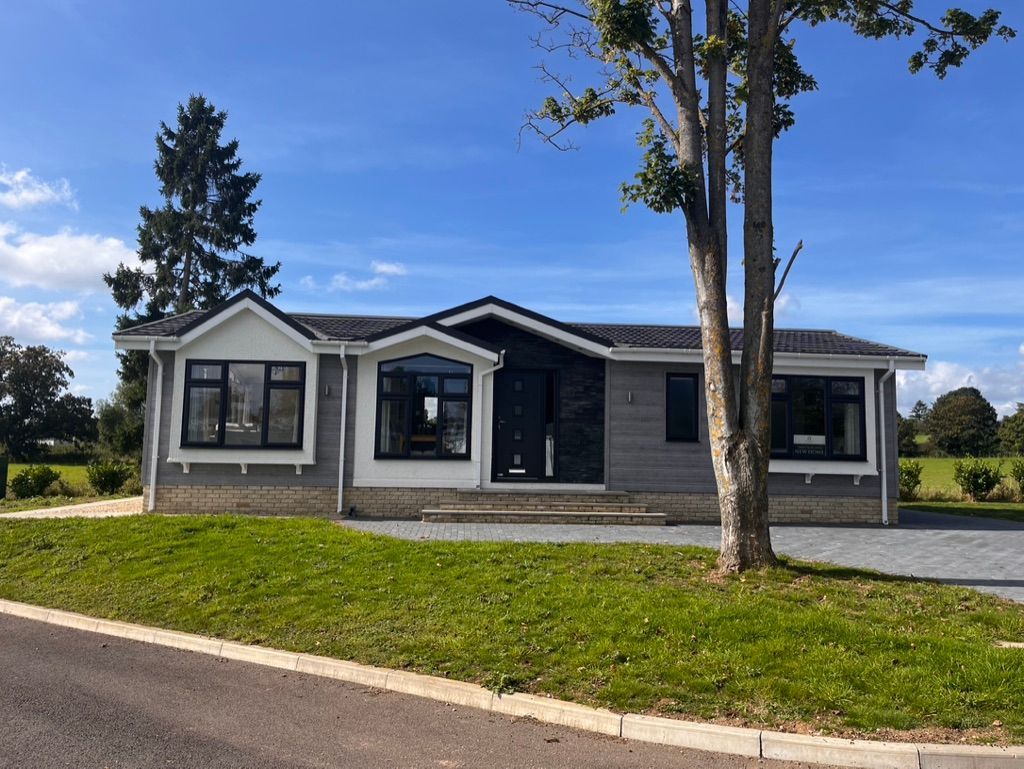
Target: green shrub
{"points": [[133, 486], [1017, 473], [977, 478], [33, 481], [108, 477], [910, 478]]}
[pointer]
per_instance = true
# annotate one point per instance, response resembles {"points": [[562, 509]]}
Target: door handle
{"points": [[501, 422]]}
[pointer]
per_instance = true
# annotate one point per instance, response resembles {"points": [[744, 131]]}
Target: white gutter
{"points": [[881, 433], [485, 372], [341, 450], [154, 450]]}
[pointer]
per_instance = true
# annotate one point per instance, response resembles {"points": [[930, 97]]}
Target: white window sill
{"points": [[821, 467]]}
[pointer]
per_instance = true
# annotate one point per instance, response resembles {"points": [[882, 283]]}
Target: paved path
{"points": [[69, 698], [105, 508], [982, 553]]}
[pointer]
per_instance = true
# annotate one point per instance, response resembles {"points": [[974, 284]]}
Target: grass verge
{"points": [[937, 473], [631, 627], [1007, 511]]}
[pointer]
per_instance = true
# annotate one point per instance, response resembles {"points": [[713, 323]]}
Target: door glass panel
{"points": [[517, 435], [846, 387], [456, 386], [808, 399], [283, 425], [779, 426], [203, 414], [286, 373], [846, 433], [430, 364], [423, 441], [517, 385], [243, 425], [392, 426], [455, 433], [426, 385], [517, 410], [395, 385], [517, 459], [206, 371]]}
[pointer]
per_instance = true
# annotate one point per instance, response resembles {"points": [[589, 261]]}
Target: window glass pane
{"points": [[283, 425], [456, 386], [779, 386], [808, 398], [846, 434], [205, 371], [846, 387], [286, 373], [392, 426], [682, 408], [427, 364], [243, 425], [779, 425], [426, 385], [455, 433], [203, 414], [424, 426], [398, 385]]}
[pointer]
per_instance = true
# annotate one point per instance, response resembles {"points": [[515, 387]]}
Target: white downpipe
{"points": [[341, 450], [484, 373], [154, 450], [882, 437]]}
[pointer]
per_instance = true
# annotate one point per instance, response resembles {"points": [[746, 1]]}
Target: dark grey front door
{"points": [[519, 425]]}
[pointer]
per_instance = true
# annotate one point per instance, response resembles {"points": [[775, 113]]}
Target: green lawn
{"points": [[630, 627], [1007, 511]]}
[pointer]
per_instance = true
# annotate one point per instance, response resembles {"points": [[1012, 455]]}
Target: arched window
{"points": [[423, 408]]}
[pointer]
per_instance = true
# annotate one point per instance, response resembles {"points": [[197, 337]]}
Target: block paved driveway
{"points": [[981, 553]]}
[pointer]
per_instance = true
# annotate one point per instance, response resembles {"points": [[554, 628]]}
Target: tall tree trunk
{"points": [[746, 542]]}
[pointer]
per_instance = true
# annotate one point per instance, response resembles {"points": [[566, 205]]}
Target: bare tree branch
{"points": [[550, 12], [785, 273]]}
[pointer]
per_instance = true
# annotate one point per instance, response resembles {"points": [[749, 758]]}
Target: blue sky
{"points": [[393, 181]]}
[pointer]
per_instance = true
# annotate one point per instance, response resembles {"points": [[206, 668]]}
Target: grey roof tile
{"points": [[356, 327]]}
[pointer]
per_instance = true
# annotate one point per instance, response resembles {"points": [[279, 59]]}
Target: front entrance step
{"points": [[570, 506], [619, 518]]}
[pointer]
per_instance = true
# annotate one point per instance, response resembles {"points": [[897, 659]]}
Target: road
{"points": [[69, 698]]}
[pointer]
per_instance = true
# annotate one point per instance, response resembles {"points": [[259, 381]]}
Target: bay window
{"points": [[423, 408], [817, 417], [243, 404]]}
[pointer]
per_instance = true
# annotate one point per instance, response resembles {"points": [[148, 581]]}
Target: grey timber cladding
{"points": [[640, 459], [328, 419], [580, 437]]}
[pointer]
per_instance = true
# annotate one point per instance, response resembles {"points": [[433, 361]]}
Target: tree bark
{"points": [[746, 541]]}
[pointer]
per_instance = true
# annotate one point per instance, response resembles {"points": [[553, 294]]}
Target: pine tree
{"points": [[190, 249]]}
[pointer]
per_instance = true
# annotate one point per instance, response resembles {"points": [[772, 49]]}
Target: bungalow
{"points": [[489, 410]]}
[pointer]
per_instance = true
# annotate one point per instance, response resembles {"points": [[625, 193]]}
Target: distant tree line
{"points": [[960, 423]]}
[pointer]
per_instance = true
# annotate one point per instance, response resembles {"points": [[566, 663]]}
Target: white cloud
{"points": [[65, 260], [36, 322], [1003, 386], [1021, 349], [20, 189], [388, 268], [342, 282], [77, 356]]}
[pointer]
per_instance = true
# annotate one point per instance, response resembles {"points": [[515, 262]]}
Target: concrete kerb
{"points": [[754, 743]]}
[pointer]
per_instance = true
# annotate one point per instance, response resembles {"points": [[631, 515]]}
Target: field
{"points": [[73, 475], [942, 495]]}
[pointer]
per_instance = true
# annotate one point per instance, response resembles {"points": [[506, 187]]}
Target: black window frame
{"points": [[830, 398], [669, 436], [223, 384], [409, 397]]}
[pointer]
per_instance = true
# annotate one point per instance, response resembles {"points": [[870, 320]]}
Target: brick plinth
{"points": [[396, 503], [256, 500]]}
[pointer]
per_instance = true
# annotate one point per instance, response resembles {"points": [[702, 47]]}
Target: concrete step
{"points": [[568, 506], [543, 516]]}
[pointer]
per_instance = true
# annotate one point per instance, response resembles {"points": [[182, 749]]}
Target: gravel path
{"points": [[105, 508]]}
